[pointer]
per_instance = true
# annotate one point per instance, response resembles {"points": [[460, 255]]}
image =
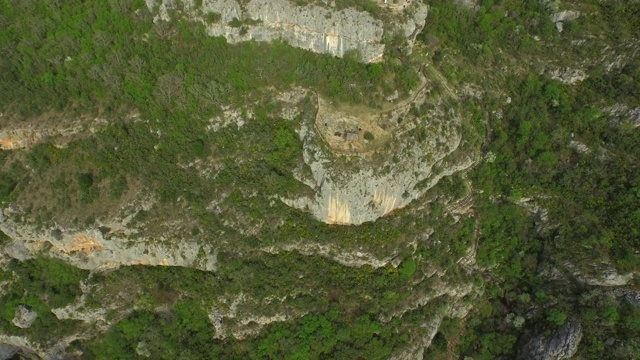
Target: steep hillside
{"points": [[348, 179]]}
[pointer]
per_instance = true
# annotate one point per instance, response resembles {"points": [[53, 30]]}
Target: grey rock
{"points": [[412, 28], [393, 96], [24, 317], [567, 75], [315, 28], [565, 15], [562, 345], [602, 274], [90, 249], [363, 191], [216, 317], [579, 147], [416, 350], [628, 295], [610, 277], [7, 351], [10, 346], [312, 28], [624, 113], [559, 18], [142, 349]]}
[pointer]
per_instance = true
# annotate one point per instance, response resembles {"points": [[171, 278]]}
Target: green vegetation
{"points": [[213, 17], [408, 267], [368, 136], [7, 184], [187, 332], [589, 196], [341, 325], [119, 59], [41, 284], [159, 85], [113, 60]]}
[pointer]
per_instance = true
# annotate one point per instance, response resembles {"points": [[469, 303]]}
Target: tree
{"points": [[556, 317], [408, 267], [170, 90]]}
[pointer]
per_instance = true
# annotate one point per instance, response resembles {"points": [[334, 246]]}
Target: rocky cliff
{"points": [[562, 345], [316, 28], [368, 182], [93, 249]]}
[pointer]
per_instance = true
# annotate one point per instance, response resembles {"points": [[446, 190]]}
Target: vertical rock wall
{"points": [[315, 28]]}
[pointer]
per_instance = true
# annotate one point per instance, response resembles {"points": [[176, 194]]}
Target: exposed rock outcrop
{"points": [[579, 147], [18, 345], [367, 190], [568, 75], [315, 28], [91, 250], [562, 345], [565, 15], [413, 27], [540, 214], [7, 351], [560, 17], [601, 275], [346, 258], [416, 350], [240, 319], [25, 349], [624, 113], [14, 137], [24, 317], [21, 138], [628, 295]]}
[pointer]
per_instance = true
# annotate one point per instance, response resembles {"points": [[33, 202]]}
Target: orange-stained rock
{"points": [[7, 144], [85, 244]]}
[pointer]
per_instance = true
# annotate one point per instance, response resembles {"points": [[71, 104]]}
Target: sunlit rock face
{"points": [[90, 249], [316, 28], [360, 181]]}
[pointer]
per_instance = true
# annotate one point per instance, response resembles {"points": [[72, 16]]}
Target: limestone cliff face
{"points": [[375, 184], [90, 249], [315, 28], [365, 196]]}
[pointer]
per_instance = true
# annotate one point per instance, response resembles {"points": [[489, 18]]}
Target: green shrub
{"points": [[368, 136], [236, 23], [556, 316], [85, 181], [408, 267], [213, 17], [7, 184]]}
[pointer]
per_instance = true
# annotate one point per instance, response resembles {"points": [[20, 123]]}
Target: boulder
{"points": [[563, 344], [24, 317]]}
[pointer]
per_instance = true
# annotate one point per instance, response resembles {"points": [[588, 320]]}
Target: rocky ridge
{"points": [[316, 28], [90, 249], [370, 189]]}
